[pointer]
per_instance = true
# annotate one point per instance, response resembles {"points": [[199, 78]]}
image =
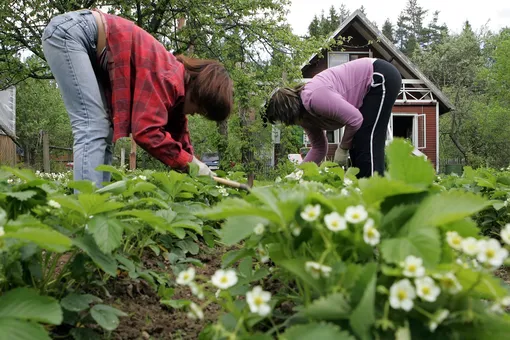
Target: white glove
{"points": [[341, 156], [203, 170]]}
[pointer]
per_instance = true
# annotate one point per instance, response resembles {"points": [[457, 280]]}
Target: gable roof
{"points": [[390, 52]]}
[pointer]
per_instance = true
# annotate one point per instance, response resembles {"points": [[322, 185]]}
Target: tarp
{"points": [[8, 111]]}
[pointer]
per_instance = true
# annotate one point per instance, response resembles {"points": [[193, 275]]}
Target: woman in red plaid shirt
{"points": [[116, 79]]}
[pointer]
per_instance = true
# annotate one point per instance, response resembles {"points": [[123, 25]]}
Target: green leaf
{"points": [[246, 267], [83, 186], [13, 329], [147, 216], [116, 173], [363, 316], [231, 207], [23, 174], [447, 207], [78, 302], [70, 203], [376, 188], [404, 166], [237, 228], [94, 204], [297, 268], [465, 228], [115, 188], [89, 246], [186, 224], [106, 316], [313, 330], [27, 304], [45, 238], [233, 256], [107, 232], [485, 286], [21, 195], [332, 307], [424, 243], [84, 334], [393, 221]]}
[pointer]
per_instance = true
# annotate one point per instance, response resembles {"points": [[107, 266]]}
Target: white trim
{"points": [[377, 118], [415, 124], [437, 137], [424, 131]]}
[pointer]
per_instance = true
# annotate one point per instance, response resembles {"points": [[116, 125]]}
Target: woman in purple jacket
{"points": [[357, 95]]}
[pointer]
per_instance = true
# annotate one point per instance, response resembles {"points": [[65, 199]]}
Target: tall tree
{"points": [[411, 33], [387, 30]]}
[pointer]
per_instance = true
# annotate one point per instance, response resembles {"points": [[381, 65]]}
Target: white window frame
{"points": [[415, 134], [330, 53], [346, 53]]}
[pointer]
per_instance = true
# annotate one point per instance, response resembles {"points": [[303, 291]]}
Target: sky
{"points": [[494, 13]]}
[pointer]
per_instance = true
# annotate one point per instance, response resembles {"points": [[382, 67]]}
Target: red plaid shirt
{"points": [[146, 92]]}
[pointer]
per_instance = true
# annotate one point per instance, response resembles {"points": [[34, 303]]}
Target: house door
{"points": [[409, 126]]}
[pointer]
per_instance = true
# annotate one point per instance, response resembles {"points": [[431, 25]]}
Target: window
{"points": [[331, 136], [337, 58]]}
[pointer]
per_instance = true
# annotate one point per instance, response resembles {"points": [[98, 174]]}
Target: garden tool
{"points": [[231, 184]]}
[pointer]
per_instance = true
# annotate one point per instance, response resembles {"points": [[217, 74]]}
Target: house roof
{"points": [[390, 52]]}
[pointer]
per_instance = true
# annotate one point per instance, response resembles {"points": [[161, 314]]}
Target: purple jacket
{"points": [[333, 98]]}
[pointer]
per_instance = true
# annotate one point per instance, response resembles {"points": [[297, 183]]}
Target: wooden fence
{"points": [[7, 151]]}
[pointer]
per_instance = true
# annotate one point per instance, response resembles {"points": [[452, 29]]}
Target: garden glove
{"points": [[203, 169], [341, 156]]}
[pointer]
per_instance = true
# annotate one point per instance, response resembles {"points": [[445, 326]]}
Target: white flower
{"points": [[278, 179], [355, 214], [224, 279], [491, 252], [402, 295], [413, 267], [454, 240], [296, 175], [326, 169], [370, 234], [317, 270], [344, 192], [223, 191], [335, 222], [54, 204], [449, 282], [142, 177], [427, 289], [470, 246], [185, 277], [195, 312], [257, 300], [438, 319], [196, 290], [296, 231], [347, 181], [2, 231], [311, 212], [259, 229], [505, 234]]}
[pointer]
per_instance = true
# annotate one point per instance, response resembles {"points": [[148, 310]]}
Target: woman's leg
{"points": [[69, 45], [367, 152]]}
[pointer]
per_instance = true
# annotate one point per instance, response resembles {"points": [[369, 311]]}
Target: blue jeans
{"points": [[69, 45]]}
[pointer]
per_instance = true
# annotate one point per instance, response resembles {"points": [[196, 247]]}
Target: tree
{"points": [[411, 33], [387, 30], [325, 25]]}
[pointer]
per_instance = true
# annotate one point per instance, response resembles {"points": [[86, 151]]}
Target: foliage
{"points": [[91, 237], [383, 249]]}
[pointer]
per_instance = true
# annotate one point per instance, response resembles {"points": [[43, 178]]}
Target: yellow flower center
{"points": [[223, 279], [258, 301], [355, 216], [457, 241], [311, 213], [490, 253], [402, 295], [334, 224], [447, 282], [370, 233], [186, 276], [425, 290], [411, 268]]}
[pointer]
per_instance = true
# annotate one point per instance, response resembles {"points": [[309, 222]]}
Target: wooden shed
{"points": [[420, 103]]}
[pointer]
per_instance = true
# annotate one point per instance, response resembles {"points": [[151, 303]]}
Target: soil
{"points": [[147, 318]]}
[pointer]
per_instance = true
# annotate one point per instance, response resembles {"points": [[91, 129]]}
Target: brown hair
{"points": [[285, 106], [209, 86]]}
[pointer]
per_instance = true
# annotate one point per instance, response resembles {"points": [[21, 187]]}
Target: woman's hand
{"points": [[341, 156], [203, 169]]}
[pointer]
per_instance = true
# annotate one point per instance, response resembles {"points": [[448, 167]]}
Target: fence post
{"points": [[46, 152], [122, 157], [132, 155]]}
